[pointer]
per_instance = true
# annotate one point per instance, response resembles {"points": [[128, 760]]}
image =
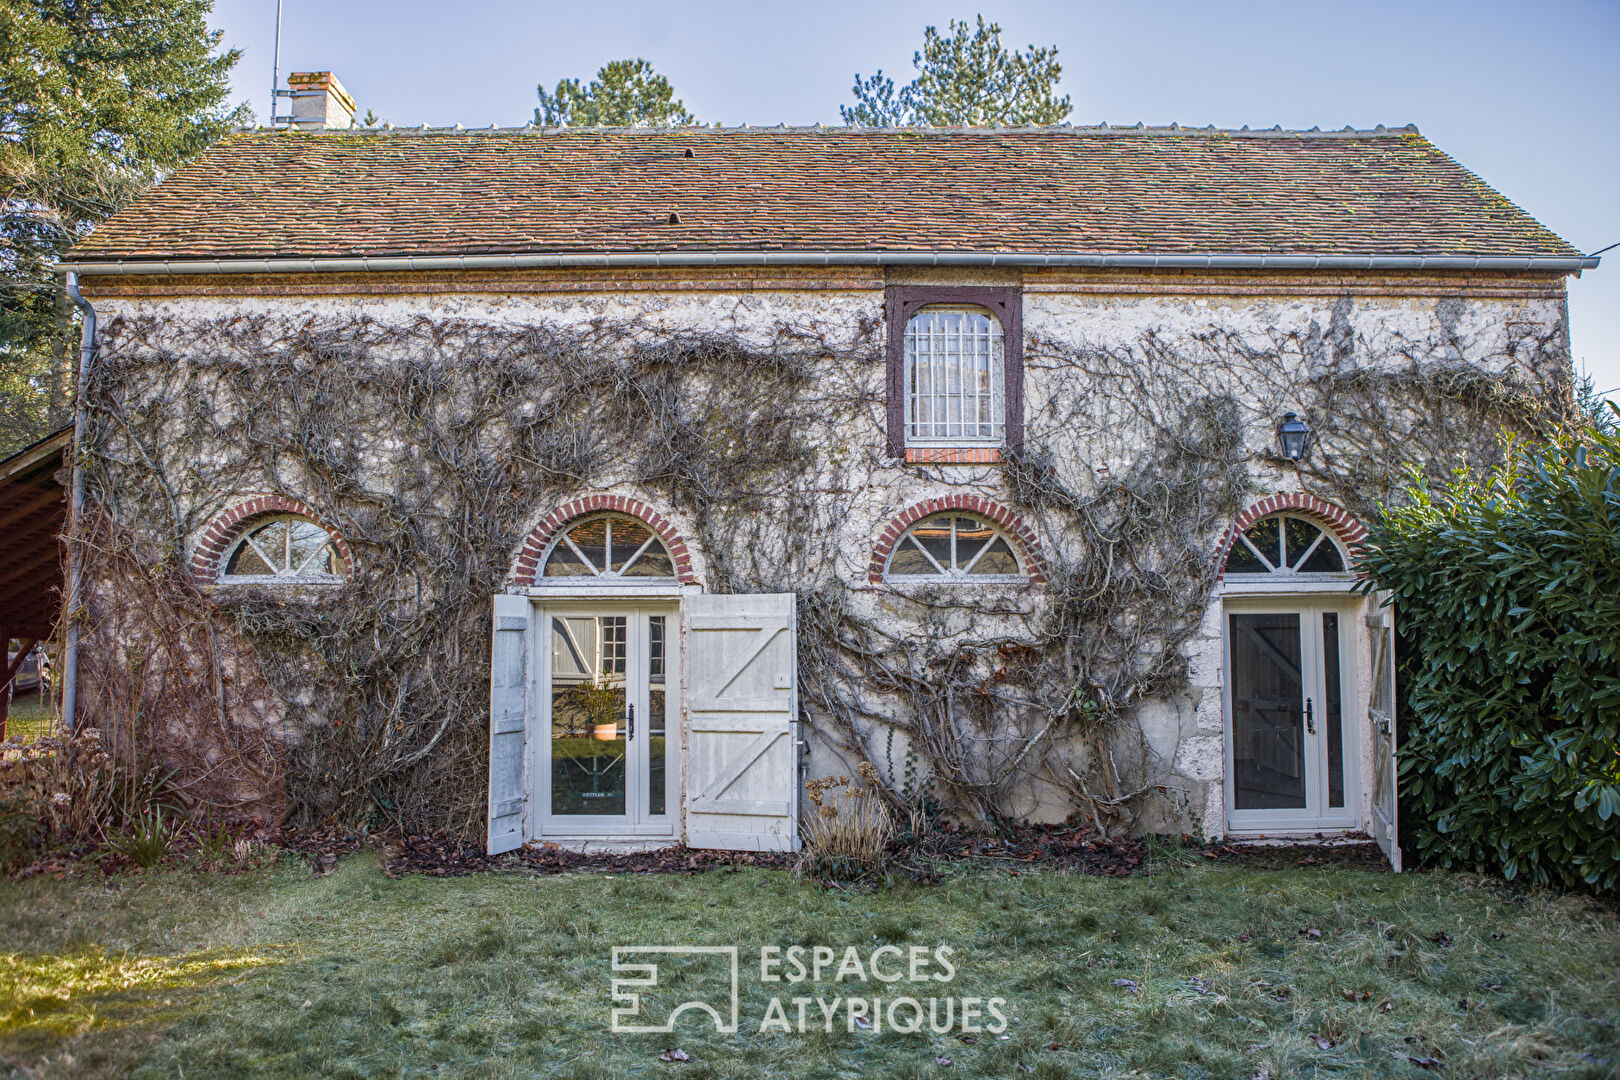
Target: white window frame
{"points": [[1286, 578], [1316, 816], [611, 579], [284, 577], [954, 576], [995, 340], [636, 824]]}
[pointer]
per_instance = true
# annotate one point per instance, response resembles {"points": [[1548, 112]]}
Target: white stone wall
{"points": [[1094, 431]]}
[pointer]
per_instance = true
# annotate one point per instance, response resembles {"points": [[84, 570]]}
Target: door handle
{"points": [[630, 721], [1310, 718]]}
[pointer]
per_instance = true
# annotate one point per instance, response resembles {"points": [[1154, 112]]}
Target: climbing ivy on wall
{"points": [[433, 444]]}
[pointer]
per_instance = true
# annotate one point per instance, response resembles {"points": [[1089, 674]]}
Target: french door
{"points": [[1291, 747], [609, 746]]}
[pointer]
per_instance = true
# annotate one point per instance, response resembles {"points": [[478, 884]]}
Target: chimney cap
{"points": [[323, 81]]}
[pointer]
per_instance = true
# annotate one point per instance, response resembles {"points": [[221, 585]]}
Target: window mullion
{"points": [[1257, 553], [925, 554], [632, 559], [569, 540], [268, 561], [1299, 562]]}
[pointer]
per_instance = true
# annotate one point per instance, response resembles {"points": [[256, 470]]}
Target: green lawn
{"points": [[1195, 970], [29, 718]]}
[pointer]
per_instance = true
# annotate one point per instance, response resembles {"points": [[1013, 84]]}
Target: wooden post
{"points": [[5, 690]]}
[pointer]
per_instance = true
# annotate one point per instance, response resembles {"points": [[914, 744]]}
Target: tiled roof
{"points": [[393, 192]]}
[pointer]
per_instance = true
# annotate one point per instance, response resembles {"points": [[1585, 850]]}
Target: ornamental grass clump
{"points": [[1507, 586], [849, 831]]}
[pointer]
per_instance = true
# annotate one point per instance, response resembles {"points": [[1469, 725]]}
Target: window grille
{"points": [[1284, 544], [283, 550], [953, 546], [955, 392]]}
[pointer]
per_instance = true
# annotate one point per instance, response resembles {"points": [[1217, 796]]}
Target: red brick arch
{"points": [[1338, 521], [226, 528], [1022, 536], [538, 541]]}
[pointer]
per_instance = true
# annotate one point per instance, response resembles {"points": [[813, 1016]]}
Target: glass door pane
{"points": [[1332, 710], [588, 714], [657, 710], [1268, 721]]}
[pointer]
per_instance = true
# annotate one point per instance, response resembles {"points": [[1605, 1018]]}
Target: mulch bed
{"points": [[1364, 855], [1045, 847], [1023, 849], [1029, 847]]}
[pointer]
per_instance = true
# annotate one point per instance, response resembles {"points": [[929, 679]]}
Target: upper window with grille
{"points": [[955, 378], [283, 550]]}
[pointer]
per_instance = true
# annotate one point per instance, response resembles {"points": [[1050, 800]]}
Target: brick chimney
{"points": [[319, 102]]}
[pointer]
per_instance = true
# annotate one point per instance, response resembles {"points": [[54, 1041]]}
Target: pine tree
{"points": [[625, 93], [98, 99], [964, 77]]}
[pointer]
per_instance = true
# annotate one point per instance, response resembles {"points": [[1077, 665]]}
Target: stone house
{"points": [[1026, 465]]}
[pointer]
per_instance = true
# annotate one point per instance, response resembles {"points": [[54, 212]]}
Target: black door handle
{"points": [[1310, 718], [630, 721]]}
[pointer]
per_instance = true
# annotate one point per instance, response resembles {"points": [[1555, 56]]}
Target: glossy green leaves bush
{"points": [[1508, 585]]}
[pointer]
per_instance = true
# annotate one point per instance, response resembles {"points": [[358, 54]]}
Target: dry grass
{"points": [[1193, 971]]}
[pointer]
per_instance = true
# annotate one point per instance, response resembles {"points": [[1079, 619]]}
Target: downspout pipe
{"points": [[75, 566]]}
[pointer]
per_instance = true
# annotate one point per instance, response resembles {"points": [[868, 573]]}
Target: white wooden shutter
{"points": [[1382, 715], [508, 720], [742, 761]]}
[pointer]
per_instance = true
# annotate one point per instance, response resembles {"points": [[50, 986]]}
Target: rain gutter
{"points": [[75, 566], [394, 264]]}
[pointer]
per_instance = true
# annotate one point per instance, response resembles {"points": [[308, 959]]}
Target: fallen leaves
{"points": [[675, 1054]]}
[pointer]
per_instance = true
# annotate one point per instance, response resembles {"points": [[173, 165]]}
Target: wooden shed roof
{"points": [[33, 509]]}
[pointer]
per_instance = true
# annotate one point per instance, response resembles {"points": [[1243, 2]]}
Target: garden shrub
{"points": [[1508, 583]]}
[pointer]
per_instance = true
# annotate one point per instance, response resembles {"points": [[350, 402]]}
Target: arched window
{"points": [[955, 378], [609, 547], [283, 549], [953, 546], [1284, 544]]}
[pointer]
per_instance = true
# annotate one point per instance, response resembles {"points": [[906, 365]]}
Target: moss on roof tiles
{"points": [[1081, 191]]}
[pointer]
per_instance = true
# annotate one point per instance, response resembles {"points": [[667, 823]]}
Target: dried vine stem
{"points": [[434, 444]]}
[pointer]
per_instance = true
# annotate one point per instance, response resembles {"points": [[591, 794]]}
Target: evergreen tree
{"points": [[964, 77], [625, 93], [98, 99]]}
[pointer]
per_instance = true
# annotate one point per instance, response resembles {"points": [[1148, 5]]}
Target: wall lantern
{"points": [[1294, 435]]}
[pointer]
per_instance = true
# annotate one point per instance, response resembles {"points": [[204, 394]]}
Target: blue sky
{"points": [[1525, 94]]}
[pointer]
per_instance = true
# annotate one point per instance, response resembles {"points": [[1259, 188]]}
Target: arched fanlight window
{"points": [[609, 547], [1284, 544], [955, 547], [955, 378], [281, 550]]}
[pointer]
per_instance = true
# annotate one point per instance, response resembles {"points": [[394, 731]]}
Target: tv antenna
{"points": [[276, 92]]}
